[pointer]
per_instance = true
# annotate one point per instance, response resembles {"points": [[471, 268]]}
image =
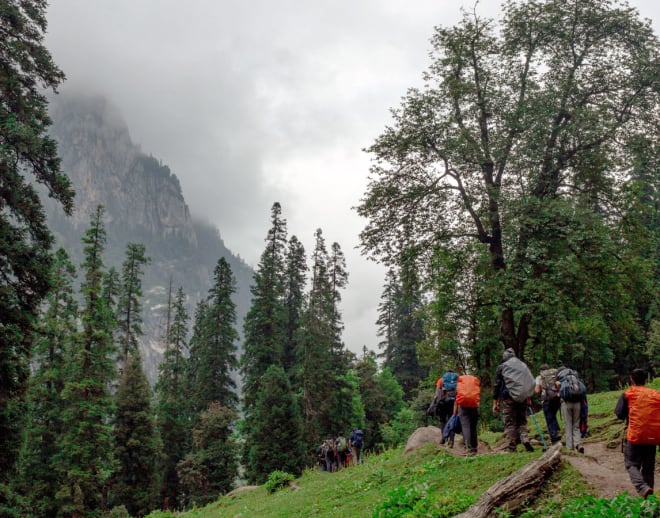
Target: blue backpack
{"points": [[357, 438], [449, 384], [571, 388]]}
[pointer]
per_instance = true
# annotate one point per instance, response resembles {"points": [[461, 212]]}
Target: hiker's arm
{"points": [[621, 409], [455, 407]]}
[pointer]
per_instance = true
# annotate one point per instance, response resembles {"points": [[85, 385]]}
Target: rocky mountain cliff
{"points": [[144, 204]]}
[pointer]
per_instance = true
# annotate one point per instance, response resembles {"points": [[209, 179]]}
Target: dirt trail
{"points": [[603, 468]]}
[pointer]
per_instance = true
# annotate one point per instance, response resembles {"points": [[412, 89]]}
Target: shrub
{"points": [[277, 480]]}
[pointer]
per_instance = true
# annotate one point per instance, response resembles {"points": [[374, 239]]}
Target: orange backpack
{"points": [[643, 415], [468, 391]]}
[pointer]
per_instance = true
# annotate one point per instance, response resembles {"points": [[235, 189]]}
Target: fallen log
{"points": [[512, 492]]}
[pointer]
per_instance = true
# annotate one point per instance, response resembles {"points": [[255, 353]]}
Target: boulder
{"points": [[422, 436]]}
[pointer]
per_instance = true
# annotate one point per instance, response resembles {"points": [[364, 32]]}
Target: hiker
{"points": [[572, 392], [466, 405], [546, 386], [341, 448], [442, 405], [512, 390], [356, 440], [640, 407], [329, 454]]}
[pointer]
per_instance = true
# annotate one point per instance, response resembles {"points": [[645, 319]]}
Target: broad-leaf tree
{"points": [[519, 142]]}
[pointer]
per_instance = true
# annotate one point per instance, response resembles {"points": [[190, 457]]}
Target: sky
{"points": [[252, 102]]}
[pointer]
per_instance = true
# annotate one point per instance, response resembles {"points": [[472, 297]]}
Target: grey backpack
{"points": [[518, 379]]}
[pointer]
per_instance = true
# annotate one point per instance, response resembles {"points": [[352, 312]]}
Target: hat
{"points": [[508, 353]]}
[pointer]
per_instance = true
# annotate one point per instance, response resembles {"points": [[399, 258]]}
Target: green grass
{"points": [[428, 482]]}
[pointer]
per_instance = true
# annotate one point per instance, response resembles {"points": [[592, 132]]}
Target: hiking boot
{"points": [[580, 449], [647, 493], [528, 446]]}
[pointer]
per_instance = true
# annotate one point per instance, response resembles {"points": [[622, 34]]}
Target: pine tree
{"points": [[172, 401], [85, 453], [295, 278], [212, 467], [129, 307], [39, 477], [213, 345], [135, 483], [264, 328], [27, 156], [276, 437]]}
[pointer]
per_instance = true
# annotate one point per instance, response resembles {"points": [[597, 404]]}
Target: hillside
{"points": [[144, 203], [437, 482]]}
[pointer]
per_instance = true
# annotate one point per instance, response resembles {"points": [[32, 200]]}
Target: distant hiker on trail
{"points": [[640, 407], [468, 393], [572, 392], [442, 405], [356, 440], [341, 448], [329, 454], [513, 387], [546, 387]]}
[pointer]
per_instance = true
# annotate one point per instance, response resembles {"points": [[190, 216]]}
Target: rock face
{"points": [[144, 204], [422, 436]]}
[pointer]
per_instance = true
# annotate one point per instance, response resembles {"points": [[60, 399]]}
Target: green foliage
{"points": [[419, 501], [277, 480], [621, 505], [28, 156]]}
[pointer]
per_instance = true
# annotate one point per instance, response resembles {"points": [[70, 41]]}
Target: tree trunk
{"points": [[515, 490]]}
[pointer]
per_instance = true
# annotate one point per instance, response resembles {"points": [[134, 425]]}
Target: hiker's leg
{"points": [[568, 424], [633, 459], [648, 464], [521, 420], [510, 425], [468, 417], [550, 409], [575, 416]]}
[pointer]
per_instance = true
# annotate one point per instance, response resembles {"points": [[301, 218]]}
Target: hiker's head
{"points": [[544, 366], [638, 377], [508, 353]]}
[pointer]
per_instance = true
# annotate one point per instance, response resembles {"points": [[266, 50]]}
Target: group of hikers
{"points": [[339, 452], [456, 405]]}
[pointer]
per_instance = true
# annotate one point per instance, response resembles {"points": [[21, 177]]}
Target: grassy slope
{"points": [[428, 482]]}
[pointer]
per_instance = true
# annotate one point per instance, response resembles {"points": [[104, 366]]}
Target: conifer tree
{"points": [[85, 453], [135, 483], [276, 437], [212, 467], [28, 156], [213, 346], [265, 322], [295, 278], [172, 401], [129, 306], [39, 477]]}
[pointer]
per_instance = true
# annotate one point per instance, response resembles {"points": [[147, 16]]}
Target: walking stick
{"points": [[538, 428]]}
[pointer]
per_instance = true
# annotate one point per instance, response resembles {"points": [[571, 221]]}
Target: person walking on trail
{"points": [[466, 406], [442, 405], [546, 387], [572, 392], [356, 440], [640, 407], [512, 389], [341, 448]]}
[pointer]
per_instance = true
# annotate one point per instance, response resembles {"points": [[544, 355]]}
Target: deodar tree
{"points": [[27, 156], [519, 142]]}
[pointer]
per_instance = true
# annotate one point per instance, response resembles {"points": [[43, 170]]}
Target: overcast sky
{"points": [[251, 102]]}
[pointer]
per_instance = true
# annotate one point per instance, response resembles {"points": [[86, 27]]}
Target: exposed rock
{"points": [[423, 436]]}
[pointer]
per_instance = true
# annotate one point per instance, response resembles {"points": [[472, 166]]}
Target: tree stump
{"points": [[512, 492]]}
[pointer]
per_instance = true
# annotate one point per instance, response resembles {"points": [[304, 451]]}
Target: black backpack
{"points": [[571, 388]]}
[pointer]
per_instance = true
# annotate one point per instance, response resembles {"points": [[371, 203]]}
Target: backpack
{"points": [[643, 415], [357, 438], [548, 379], [518, 379], [571, 388], [468, 391], [449, 382], [342, 444]]}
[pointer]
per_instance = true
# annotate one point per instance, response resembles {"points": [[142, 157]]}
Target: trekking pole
{"points": [[538, 428]]}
